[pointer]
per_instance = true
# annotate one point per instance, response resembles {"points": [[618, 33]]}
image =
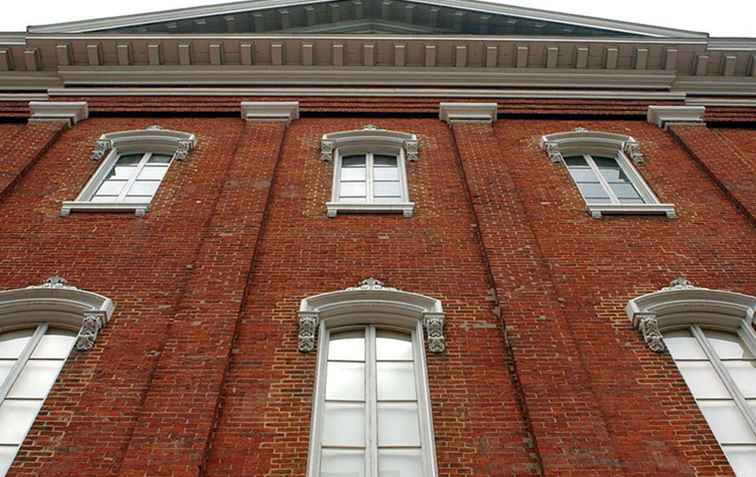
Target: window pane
{"points": [[396, 382], [398, 425], [347, 347], [7, 453], [144, 188], [113, 187], [742, 459], [744, 375], [160, 159], [5, 367], [353, 189], [36, 379], [682, 345], [592, 191], [386, 174], [342, 463], [727, 422], [129, 160], [384, 161], [343, 425], [345, 382], [17, 417], [393, 346], [13, 343], [625, 191], [353, 161], [400, 463], [387, 189], [702, 380], [582, 174], [609, 169], [56, 344], [152, 173], [575, 161], [728, 345], [353, 174]]}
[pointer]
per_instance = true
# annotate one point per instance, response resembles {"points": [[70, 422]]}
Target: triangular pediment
{"points": [[441, 17]]}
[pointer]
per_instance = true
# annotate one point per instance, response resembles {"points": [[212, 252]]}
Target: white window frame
{"points": [[625, 150], [112, 146], [682, 306], [54, 304], [372, 304], [369, 141]]}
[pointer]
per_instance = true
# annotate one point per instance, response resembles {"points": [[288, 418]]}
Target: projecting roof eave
{"points": [[254, 5]]}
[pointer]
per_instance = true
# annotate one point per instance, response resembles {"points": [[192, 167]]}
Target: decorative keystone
{"points": [[47, 111], [270, 111], [679, 283], [663, 116], [467, 112]]}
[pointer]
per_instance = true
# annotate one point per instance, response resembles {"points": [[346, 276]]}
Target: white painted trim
{"points": [[69, 206], [70, 112], [275, 111], [598, 211], [24, 97], [734, 103], [405, 208], [467, 112], [662, 116]]}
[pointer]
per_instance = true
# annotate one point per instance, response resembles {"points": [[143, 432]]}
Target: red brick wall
{"points": [[198, 374]]}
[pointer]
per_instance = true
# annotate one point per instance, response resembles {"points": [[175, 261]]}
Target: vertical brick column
{"points": [[571, 434], [172, 433]]}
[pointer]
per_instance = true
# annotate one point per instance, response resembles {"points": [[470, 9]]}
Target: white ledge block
{"points": [[285, 111], [70, 112], [663, 115], [468, 112]]}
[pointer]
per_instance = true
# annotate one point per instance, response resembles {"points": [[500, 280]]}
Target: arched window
{"points": [[39, 326], [369, 173], [600, 165], [134, 166], [371, 409], [710, 336]]}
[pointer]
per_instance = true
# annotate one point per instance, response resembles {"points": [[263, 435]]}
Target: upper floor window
{"points": [[39, 326], [600, 165], [371, 409], [369, 170], [710, 336], [134, 165]]}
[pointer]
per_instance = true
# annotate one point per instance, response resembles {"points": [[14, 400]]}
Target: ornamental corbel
{"points": [[552, 149], [434, 329], [184, 146], [102, 146], [648, 326], [632, 150], [411, 148], [308, 325], [326, 150], [679, 283], [93, 322]]}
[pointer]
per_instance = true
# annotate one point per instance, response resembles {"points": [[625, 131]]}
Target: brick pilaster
{"points": [[20, 151]]}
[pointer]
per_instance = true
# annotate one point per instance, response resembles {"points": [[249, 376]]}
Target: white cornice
{"points": [[46, 111]]}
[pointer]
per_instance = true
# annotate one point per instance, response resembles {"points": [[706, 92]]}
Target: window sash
{"points": [[633, 179], [370, 178]]}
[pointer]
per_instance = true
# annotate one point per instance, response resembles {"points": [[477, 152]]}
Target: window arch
{"points": [[710, 335], [371, 408], [369, 172], [39, 326], [134, 166], [600, 164]]}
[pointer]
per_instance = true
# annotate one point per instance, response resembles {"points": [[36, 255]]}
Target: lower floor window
{"points": [[373, 407], [30, 360]]}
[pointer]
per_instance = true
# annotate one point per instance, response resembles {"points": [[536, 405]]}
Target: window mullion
{"points": [[729, 383], [371, 395], [132, 180], [17, 368], [601, 179]]}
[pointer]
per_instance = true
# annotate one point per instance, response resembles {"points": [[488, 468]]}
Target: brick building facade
{"points": [[200, 311]]}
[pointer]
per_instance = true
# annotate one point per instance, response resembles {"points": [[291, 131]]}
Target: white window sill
{"points": [[405, 208], [599, 210], [137, 209]]}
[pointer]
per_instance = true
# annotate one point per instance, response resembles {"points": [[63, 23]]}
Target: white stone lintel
{"points": [[285, 111], [70, 112], [467, 112], [662, 116]]}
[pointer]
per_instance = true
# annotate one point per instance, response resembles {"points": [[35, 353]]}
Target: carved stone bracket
{"points": [[411, 147], [434, 328], [326, 150], [308, 325], [102, 146], [93, 322], [552, 150], [649, 328], [184, 146], [632, 150]]}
